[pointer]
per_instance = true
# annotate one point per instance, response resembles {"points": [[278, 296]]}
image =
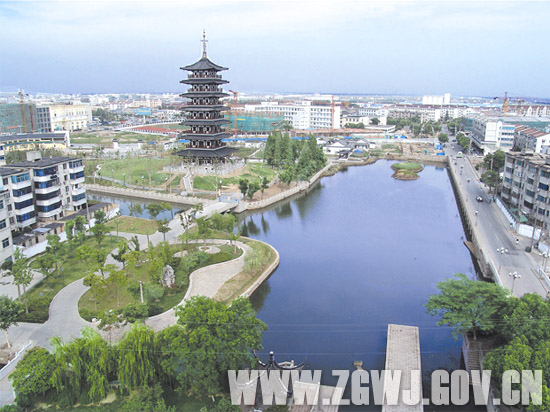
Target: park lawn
{"points": [[173, 296], [244, 152], [133, 170], [132, 224], [252, 173], [71, 268]]}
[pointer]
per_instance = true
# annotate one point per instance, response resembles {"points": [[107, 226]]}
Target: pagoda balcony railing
{"points": [[205, 89], [205, 118], [191, 103], [204, 76]]}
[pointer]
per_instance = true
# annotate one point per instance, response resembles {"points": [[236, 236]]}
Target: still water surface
{"points": [[359, 251]]}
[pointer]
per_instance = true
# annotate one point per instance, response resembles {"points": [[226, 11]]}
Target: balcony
{"points": [[46, 190], [20, 185], [45, 178], [79, 202], [78, 180], [76, 169], [27, 209], [48, 202], [51, 213], [78, 190]]}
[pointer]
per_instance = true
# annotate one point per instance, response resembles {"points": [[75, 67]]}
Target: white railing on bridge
{"points": [[10, 366]]}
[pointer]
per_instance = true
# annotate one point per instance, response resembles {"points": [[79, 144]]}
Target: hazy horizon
{"points": [[408, 48]]}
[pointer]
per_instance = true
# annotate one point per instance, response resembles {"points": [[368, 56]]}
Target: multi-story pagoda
{"points": [[203, 113]]}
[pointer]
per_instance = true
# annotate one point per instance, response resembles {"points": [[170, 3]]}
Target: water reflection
{"points": [[364, 250], [136, 207]]}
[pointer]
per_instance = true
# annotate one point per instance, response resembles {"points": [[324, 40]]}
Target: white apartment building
{"points": [[65, 117], [57, 183], [527, 138], [437, 100], [371, 112], [302, 115], [490, 135], [20, 200], [6, 245]]}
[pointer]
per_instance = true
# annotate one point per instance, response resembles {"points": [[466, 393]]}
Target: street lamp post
{"points": [[514, 276], [502, 250], [476, 213]]}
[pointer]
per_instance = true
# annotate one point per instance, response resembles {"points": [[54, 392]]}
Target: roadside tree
{"points": [[9, 312]]}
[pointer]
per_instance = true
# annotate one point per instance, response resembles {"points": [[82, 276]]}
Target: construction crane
{"points": [[23, 114], [505, 102], [234, 110]]}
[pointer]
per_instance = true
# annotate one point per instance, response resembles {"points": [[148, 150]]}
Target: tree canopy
{"points": [[468, 305]]}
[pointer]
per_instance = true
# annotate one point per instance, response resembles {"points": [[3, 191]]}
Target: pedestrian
{"points": [[517, 241]]}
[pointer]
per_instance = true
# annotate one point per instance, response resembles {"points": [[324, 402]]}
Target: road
{"points": [[494, 233]]}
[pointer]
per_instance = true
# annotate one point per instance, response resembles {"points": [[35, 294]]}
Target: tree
{"points": [[99, 230], [287, 176], [491, 179], [494, 161], [375, 121], [264, 184], [253, 187], [137, 358], [69, 226], [217, 338], [135, 209], [22, 275], [9, 312], [443, 137], [117, 221], [528, 318], [45, 264], [154, 209], [54, 248], [468, 305], [32, 376], [99, 216], [84, 368], [162, 227], [203, 229], [120, 256], [243, 186]]}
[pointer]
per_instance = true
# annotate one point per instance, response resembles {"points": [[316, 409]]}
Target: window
{"points": [[26, 216], [6, 242], [22, 192], [3, 224], [24, 204], [543, 186], [20, 178], [1, 204], [77, 175]]}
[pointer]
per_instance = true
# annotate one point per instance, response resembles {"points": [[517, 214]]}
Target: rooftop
{"points": [[27, 136], [7, 171], [203, 64], [45, 162]]}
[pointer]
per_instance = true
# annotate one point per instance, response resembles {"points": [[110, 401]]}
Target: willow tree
{"points": [[84, 368], [137, 366]]}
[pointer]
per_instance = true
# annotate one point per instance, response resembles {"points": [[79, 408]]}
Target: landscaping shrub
{"points": [[38, 311], [135, 311]]}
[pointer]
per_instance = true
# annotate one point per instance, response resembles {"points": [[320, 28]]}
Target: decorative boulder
{"points": [[168, 277]]}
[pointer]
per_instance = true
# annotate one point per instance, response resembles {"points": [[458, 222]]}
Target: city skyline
{"points": [[346, 47]]}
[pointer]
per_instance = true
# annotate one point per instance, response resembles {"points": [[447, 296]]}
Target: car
{"points": [[479, 199]]}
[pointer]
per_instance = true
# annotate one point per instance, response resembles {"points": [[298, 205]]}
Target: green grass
{"points": [[132, 224], [412, 166], [71, 268], [252, 173], [134, 171], [171, 297]]}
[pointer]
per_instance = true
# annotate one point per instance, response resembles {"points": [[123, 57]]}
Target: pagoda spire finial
{"points": [[204, 44]]}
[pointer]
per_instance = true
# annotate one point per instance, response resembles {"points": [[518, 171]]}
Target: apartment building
{"points": [[302, 115], [69, 116], [57, 184], [492, 134], [19, 202], [526, 186], [534, 140], [34, 141], [6, 245]]}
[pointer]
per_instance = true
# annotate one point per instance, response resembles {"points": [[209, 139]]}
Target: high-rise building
{"points": [[203, 113]]}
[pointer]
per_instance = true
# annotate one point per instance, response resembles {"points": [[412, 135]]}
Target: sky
{"points": [[467, 48]]}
